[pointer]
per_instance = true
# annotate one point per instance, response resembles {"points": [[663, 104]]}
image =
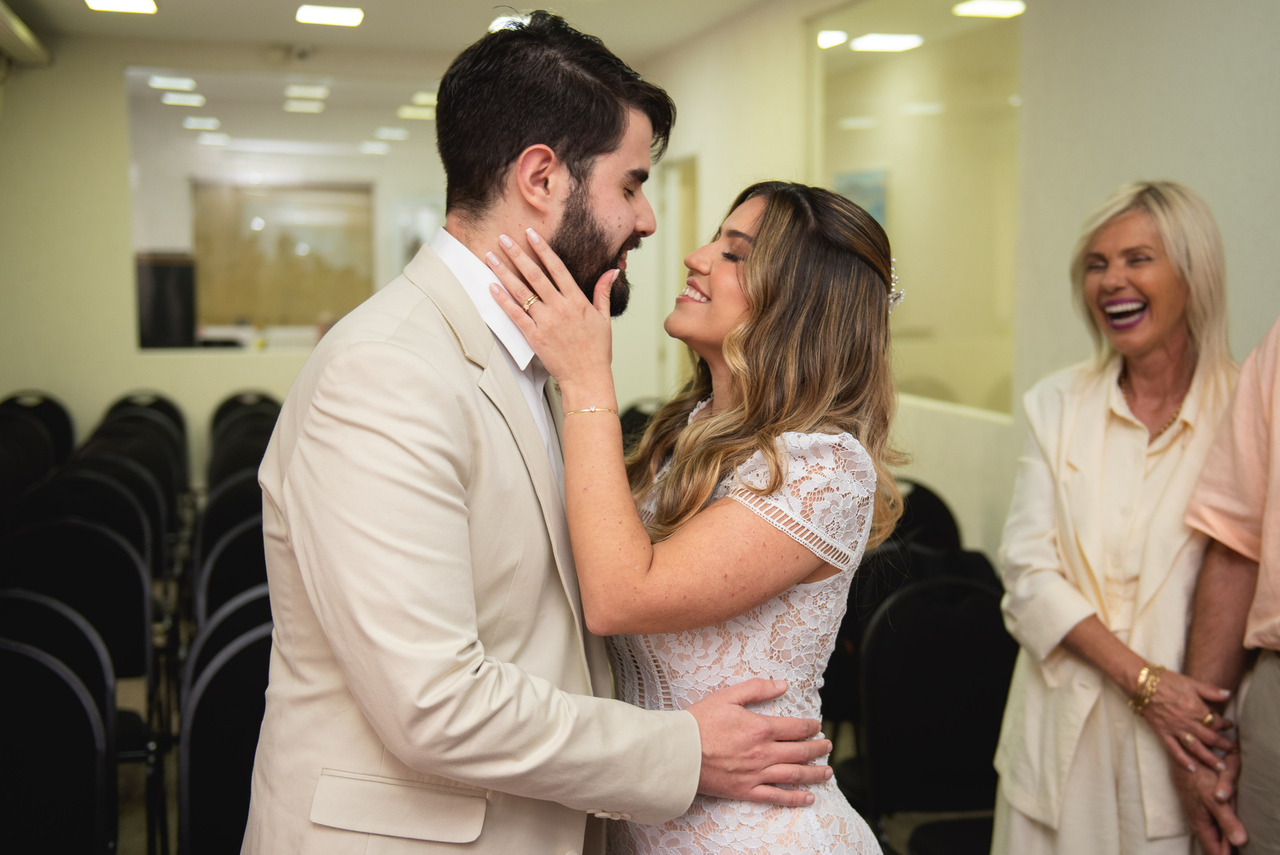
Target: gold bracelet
{"points": [[1148, 680], [592, 410]]}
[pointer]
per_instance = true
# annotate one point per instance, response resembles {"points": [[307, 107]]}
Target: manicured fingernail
{"points": [[616, 273], [828, 774], [808, 799], [506, 241], [1191, 767], [494, 289], [533, 236], [1221, 795], [492, 259], [1222, 767]]}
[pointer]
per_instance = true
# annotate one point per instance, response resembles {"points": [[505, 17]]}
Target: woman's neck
{"points": [[721, 390], [1162, 375]]}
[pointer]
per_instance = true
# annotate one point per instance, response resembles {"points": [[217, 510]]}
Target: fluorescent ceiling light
{"points": [[408, 112], [989, 8], [181, 84], [424, 99], [303, 90], [257, 223], [144, 7], [887, 42], [334, 16], [832, 38], [502, 22], [201, 123], [213, 139], [923, 108], [392, 133], [183, 99], [301, 106], [370, 147], [857, 123]]}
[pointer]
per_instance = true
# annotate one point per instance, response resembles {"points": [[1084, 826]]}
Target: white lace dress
{"points": [[825, 503]]}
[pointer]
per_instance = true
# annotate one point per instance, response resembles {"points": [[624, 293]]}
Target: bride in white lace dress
{"points": [[758, 486]]}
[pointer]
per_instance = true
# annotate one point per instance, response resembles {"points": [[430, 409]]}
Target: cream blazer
{"points": [[1051, 563], [433, 688]]}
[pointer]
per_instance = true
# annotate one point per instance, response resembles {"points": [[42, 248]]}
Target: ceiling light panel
{"points": [[201, 123], [832, 38], [407, 111], [178, 84], [887, 42], [989, 8], [142, 7], [304, 90], [392, 133], [334, 16], [370, 147], [183, 99], [424, 99], [213, 139], [298, 105]]}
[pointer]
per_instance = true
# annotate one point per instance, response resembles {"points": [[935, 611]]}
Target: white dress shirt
{"points": [[476, 277]]}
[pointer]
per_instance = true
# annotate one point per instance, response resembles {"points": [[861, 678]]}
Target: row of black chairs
{"points": [[105, 532], [920, 671]]}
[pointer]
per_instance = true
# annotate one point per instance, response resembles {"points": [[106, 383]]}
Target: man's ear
{"points": [[541, 178]]}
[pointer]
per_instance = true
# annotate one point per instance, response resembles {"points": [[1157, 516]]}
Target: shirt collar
{"points": [[1189, 413], [476, 277]]}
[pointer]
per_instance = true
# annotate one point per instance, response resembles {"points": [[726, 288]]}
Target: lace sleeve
{"points": [[826, 498]]}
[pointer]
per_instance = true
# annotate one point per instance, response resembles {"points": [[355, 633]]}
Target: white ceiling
{"points": [[635, 29]]}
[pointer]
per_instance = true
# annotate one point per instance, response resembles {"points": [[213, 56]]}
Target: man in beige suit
{"points": [[433, 688]]}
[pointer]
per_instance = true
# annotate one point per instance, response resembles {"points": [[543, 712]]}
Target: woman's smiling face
{"points": [[1132, 288], [713, 301]]}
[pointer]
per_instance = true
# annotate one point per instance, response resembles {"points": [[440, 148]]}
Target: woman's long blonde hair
{"points": [[811, 355]]}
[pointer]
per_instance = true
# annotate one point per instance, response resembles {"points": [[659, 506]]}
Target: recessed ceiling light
{"points": [[213, 139], [503, 22], [143, 7], [201, 123], [392, 133], [370, 147], [409, 112], [257, 223], [887, 42], [989, 8], [424, 99], [857, 123], [303, 90], [831, 38], [334, 16], [181, 84], [300, 106], [183, 99]]}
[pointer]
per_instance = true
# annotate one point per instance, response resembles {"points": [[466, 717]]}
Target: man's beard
{"points": [[583, 246]]}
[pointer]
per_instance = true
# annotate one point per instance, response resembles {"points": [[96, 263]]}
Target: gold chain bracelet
{"points": [[1148, 680], [592, 410]]}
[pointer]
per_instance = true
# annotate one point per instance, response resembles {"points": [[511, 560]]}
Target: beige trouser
{"points": [[1102, 810], [1259, 800]]}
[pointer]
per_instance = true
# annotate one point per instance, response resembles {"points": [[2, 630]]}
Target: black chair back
{"points": [[235, 500], [54, 793], [51, 413], [926, 519], [220, 725], [236, 563], [243, 612], [27, 455]]}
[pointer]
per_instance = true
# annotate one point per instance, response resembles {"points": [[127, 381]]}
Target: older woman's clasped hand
{"points": [[1178, 711], [572, 335]]}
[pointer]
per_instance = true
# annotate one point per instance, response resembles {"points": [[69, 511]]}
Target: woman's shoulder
{"points": [[1071, 383], [809, 454]]}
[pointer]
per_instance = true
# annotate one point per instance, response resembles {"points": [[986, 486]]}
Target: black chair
{"points": [[54, 793], [926, 519], [235, 564], [155, 402], [239, 401], [220, 725], [27, 455], [243, 612], [235, 500], [240, 439], [51, 413], [935, 669], [97, 573], [142, 484], [149, 438], [94, 496], [54, 627]]}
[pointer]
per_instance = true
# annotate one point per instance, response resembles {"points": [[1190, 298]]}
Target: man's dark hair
{"points": [[541, 82]]}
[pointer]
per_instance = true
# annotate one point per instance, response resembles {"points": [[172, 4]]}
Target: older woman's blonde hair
{"points": [[1193, 244], [810, 355]]}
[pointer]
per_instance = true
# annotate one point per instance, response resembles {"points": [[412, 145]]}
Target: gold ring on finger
{"points": [[1207, 721], [533, 298], [1188, 739]]}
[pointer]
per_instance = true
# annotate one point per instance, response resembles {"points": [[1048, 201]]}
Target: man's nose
{"points": [[646, 222]]}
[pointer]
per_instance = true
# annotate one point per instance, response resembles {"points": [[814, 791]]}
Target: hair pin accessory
{"points": [[895, 294]]}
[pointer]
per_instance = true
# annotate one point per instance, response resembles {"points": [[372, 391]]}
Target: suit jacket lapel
{"points": [[433, 277], [1086, 412]]}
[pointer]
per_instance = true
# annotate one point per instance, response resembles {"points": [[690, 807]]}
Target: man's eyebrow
{"points": [[638, 175]]}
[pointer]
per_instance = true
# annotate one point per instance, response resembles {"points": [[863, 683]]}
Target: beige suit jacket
{"points": [[1051, 562], [433, 688]]}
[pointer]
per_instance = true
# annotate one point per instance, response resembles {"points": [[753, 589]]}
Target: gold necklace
{"points": [[1124, 390]]}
